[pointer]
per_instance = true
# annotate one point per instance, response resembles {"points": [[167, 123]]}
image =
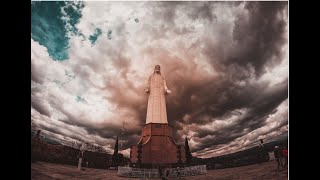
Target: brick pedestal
{"points": [[157, 147]]}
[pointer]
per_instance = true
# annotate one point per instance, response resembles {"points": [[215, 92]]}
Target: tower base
{"points": [[157, 148]]}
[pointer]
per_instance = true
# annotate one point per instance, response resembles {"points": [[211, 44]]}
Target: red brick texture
{"points": [[158, 146]]}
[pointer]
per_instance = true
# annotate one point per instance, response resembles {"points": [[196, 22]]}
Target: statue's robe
{"points": [[156, 112]]}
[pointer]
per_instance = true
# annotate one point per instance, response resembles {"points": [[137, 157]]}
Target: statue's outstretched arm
{"points": [[147, 89], [166, 90]]}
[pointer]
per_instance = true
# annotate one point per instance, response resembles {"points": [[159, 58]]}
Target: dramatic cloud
{"points": [[225, 62]]}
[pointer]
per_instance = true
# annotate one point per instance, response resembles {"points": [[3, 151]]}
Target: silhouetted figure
{"points": [[277, 155], [285, 155], [167, 174], [38, 134], [160, 172]]}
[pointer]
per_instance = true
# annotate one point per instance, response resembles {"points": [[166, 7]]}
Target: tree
{"points": [[76, 144], [139, 153], [179, 155], [115, 156], [187, 152]]}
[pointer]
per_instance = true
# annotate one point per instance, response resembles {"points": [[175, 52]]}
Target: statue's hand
{"points": [[146, 90]]}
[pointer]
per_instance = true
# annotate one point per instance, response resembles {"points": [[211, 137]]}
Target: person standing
{"points": [[167, 173], [277, 155], [285, 155], [160, 172]]}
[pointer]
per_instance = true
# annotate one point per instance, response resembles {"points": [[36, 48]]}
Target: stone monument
{"points": [[156, 146]]}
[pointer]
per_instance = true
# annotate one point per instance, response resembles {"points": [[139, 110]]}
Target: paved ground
{"points": [[266, 171]]}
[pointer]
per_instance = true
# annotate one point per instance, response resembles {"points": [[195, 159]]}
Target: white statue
{"points": [[157, 89]]}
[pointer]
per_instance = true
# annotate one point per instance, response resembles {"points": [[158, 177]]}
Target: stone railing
{"points": [[154, 173]]}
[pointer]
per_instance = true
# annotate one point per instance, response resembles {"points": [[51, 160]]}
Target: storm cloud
{"points": [[226, 64]]}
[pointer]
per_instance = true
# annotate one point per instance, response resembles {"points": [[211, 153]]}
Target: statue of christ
{"points": [[157, 89]]}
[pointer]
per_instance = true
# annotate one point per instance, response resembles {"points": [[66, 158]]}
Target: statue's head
{"points": [[157, 69]]}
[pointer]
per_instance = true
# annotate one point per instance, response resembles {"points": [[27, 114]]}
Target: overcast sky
{"points": [[226, 64]]}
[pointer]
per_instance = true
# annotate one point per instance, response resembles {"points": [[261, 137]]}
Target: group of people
{"points": [[281, 156]]}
